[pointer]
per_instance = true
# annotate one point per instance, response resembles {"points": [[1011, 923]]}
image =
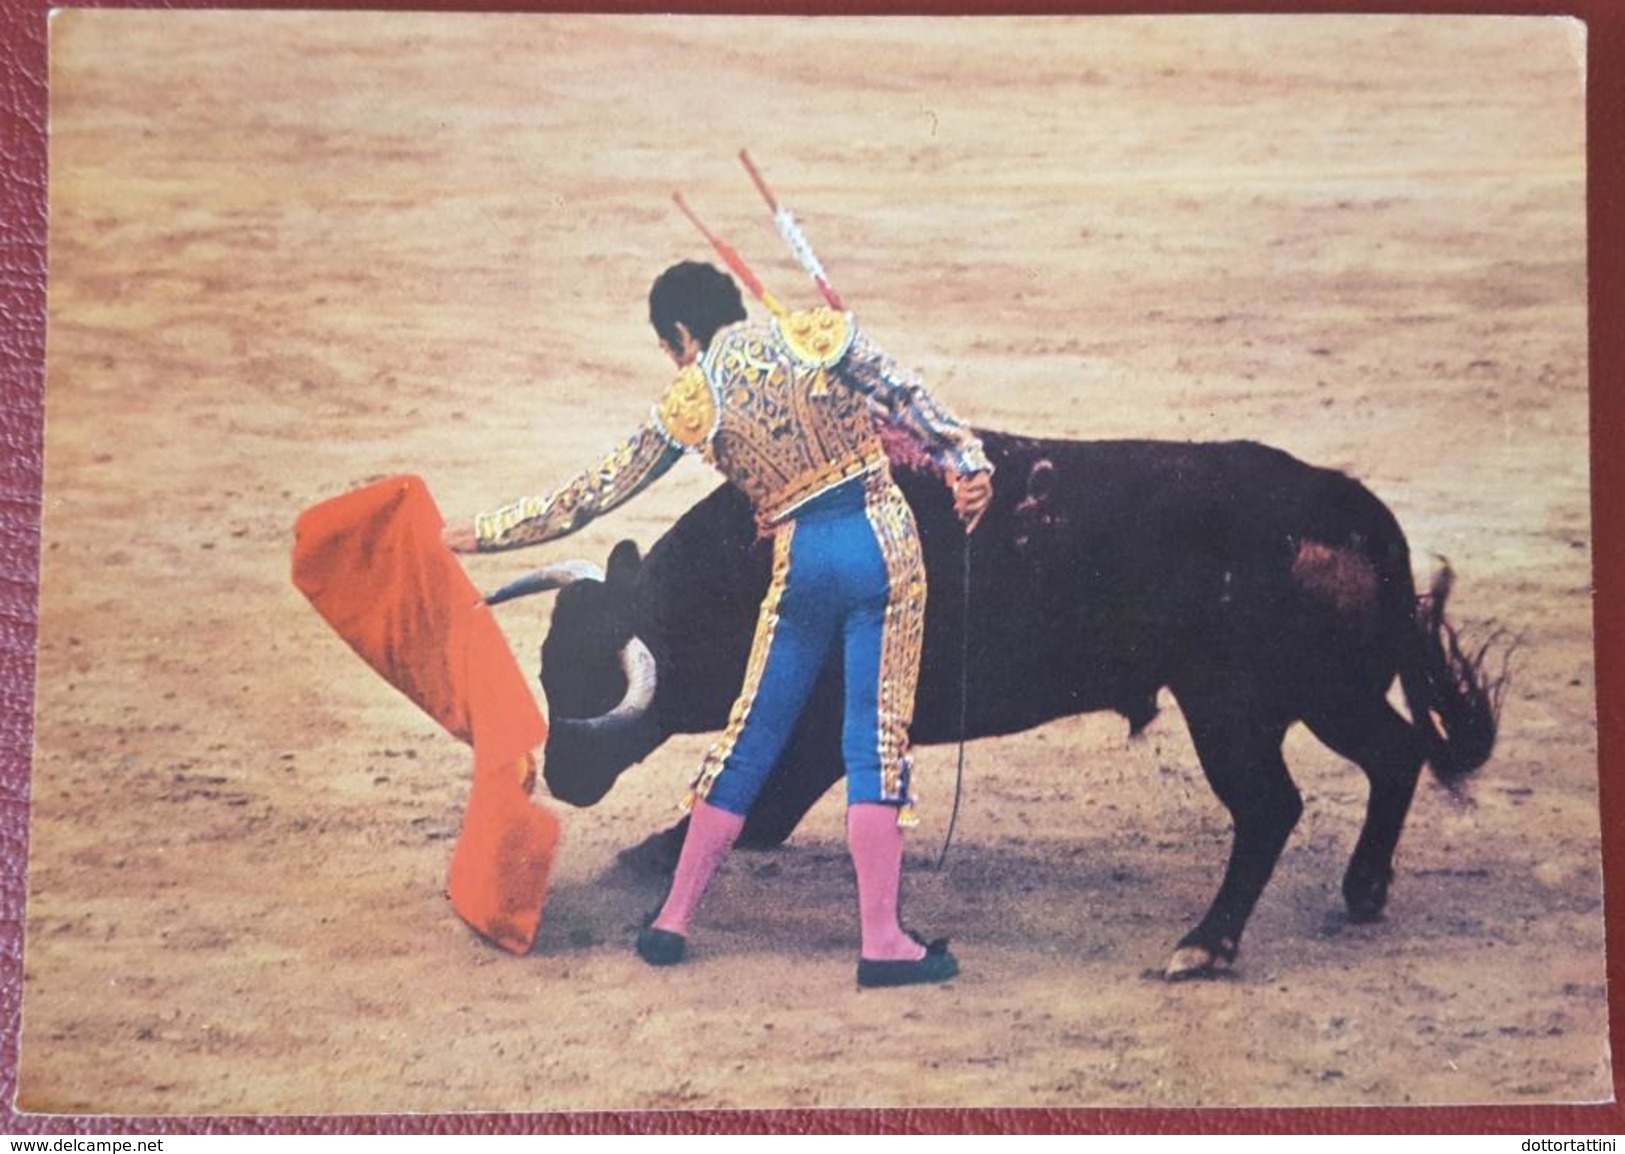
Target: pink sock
{"points": [[876, 845], [711, 833]]}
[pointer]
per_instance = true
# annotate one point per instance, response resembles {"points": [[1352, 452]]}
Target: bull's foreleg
{"points": [[1241, 756], [810, 764], [656, 854]]}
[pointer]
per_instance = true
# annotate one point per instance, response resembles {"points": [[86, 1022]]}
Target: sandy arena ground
{"points": [[291, 253]]}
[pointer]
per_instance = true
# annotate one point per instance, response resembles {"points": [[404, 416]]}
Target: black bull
{"points": [[1259, 590]]}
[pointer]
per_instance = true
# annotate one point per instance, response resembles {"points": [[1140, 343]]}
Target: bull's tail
{"points": [[1455, 703]]}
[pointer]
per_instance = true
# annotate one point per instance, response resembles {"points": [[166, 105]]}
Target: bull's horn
{"points": [[554, 576], [642, 676]]}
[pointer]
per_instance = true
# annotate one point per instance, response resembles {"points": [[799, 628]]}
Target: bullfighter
{"points": [[785, 409]]}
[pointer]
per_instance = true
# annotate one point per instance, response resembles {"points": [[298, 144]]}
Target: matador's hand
{"points": [[460, 537], [972, 495]]}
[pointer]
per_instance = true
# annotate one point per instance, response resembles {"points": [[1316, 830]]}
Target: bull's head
{"points": [[598, 676]]}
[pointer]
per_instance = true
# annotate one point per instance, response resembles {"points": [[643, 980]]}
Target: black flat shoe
{"points": [[938, 965], [661, 947]]}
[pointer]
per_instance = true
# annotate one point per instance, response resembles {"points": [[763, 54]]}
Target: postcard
{"points": [[1275, 672]]}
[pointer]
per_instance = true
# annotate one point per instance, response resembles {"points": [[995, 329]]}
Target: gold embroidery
{"points": [[624, 472], [688, 411], [912, 409], [817, 337], [781, 438], [808, 487], [766, 626], [903, 631]]}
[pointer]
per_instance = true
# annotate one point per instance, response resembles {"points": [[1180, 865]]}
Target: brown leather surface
{"points": [[23, 108]]}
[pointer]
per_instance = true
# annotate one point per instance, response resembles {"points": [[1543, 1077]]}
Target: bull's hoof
{"points": [[1365, 900], [654, 856], [1192, 962], [1365, 912]]}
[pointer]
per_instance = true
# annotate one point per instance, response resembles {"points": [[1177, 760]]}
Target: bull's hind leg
{"points": [[1241, 755], [1382, 744]]}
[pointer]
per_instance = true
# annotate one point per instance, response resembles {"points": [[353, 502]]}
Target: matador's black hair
{"points": [[700, 296]]}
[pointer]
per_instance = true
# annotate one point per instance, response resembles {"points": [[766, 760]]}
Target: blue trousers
{"points": [[847, 566]]}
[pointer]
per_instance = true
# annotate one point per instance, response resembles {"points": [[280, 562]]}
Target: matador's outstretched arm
{"points": [[635, 464]]}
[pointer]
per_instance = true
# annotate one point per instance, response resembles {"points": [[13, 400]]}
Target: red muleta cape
{"points": [[373, 565]]}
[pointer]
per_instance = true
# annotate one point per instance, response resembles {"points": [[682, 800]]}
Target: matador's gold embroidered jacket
{"points": [[781, 407]]}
